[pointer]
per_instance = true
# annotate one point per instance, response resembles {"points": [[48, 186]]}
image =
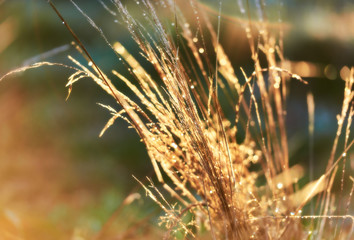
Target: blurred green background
{"points": [[56, 171]]}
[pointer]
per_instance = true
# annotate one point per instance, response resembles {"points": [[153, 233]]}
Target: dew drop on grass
{"points": [[223, 62], [90, 63]]}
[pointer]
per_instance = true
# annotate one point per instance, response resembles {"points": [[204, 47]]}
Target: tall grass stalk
{"points": [[215, 163]]}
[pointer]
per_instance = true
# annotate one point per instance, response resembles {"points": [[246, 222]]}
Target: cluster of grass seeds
{"points": [[190, 138]]}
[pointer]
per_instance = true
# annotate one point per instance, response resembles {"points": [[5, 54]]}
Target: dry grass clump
{"points": [[233, 189]]}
